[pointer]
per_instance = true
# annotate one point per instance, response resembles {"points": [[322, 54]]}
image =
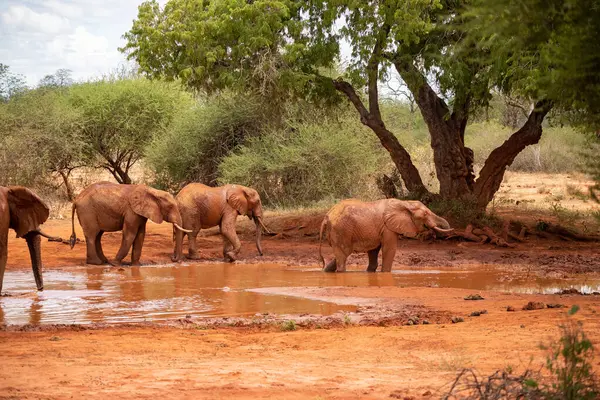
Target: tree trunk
{"points": [[120, 176], [453, 161], [68, 186], [400, 157], [492, 173]]}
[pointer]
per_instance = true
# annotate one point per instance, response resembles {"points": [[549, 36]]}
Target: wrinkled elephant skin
{"points": [[371, 227], [110, 207], [24, 212], [203, 207]]}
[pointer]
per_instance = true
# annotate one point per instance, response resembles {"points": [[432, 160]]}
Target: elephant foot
{"points": [[331, 267], [136, 263], [230, 257], [96, 262], [195, 256], [372, 269]]}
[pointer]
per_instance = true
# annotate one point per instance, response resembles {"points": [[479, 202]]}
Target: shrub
{"points": [[558, 149], [193, 146], [307, 162], [122, 116]]}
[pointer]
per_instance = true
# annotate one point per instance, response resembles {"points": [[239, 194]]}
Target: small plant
{"points": [[289, 325], [596, 215], [569, 362], [347, 320], [576, 192]]}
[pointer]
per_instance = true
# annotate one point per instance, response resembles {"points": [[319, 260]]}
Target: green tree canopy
{"points": [[121, 117], [286, 44]]}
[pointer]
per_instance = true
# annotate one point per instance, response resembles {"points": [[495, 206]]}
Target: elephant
{"points": [[24, 212], [110, 207], [357, 226], [203, 206]]}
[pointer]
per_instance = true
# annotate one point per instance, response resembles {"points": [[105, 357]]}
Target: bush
{"points": [[558, 150], [193, 146], [42, 139], [307, 162], [122, 116], [569, 367]]}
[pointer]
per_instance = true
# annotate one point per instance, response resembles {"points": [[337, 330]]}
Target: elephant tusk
{"points": [[52, 238], [264, 227], [440, 230], [181, 229]]}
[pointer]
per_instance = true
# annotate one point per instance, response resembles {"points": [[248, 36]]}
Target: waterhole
{"points": [[158, 293]]}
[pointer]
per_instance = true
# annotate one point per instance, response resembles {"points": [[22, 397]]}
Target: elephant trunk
{"points": [[441, 225], [259, 225], [34, 243], [178, 233]]}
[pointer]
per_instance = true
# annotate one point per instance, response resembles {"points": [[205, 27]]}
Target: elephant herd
{"points": [[350, 226]]}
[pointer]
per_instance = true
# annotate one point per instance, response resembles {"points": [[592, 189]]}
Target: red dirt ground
{"points": [[345, 362]]}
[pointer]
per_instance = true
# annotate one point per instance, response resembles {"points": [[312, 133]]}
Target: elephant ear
{"points": [[400, 218], [143, 202], [236, 197], [27, 210]]}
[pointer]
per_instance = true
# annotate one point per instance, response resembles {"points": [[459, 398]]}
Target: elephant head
{"points": [[409, 218], [157, 206], [246, 201], [26, 212]]}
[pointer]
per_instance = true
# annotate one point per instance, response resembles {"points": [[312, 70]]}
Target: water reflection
{"points": [[155, 293]]}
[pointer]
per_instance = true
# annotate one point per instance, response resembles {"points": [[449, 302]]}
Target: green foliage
{"points": [[306, 162], [543, 49], [569, 373], [569, 363], [559, 149], [193, 146], [288, 326], [121, 117], [42, 138], [592, 164], [218, 44]]}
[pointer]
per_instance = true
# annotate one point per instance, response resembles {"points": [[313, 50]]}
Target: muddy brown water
{"points": [[158, 293]]}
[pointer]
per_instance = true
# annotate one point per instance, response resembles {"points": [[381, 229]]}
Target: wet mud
{"points": [[213, 330]]}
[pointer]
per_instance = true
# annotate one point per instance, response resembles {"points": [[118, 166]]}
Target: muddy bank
{"points": [[345, 361], [371, 342]]}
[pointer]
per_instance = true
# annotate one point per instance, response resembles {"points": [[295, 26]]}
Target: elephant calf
{"points": [[203, 206], [356, 226], [110, 207]]}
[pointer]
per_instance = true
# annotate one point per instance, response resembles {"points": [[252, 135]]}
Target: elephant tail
{"points": [[323, 225], [73, 238]]}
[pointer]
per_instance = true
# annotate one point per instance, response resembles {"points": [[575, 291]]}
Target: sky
{"points": [[38, 37]]}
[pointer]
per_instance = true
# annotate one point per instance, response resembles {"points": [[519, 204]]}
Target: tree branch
{"points": [[373, 72], [492, 173]]}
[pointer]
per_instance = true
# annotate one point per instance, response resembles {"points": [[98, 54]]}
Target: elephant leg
{"points": [[129, 236], [340, 259], [331, 266], [388, 247], [138, 243], [92, 256], [193, 246], [373, 254], [3, 252], [99, 251], [231, 242]]}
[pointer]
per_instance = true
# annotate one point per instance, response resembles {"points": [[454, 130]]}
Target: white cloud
{"points": [[64, 9], [24, 18], [41, 36]]}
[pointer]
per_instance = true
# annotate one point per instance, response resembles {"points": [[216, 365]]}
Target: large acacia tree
{"points": [[286, 44]]}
